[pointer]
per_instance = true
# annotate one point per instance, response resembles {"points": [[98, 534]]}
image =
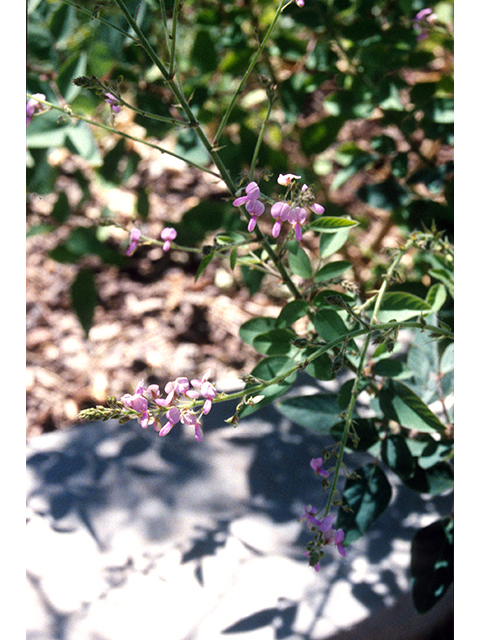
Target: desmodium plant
{"points": [[174, 77]]}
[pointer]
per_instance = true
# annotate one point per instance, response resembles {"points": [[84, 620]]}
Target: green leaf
{"points": [[317, 412], [143, 204], [329, 224], [203, 54], [401, 306], [432, 559], [329, 325], [400, 403], [254, 327], [365, 498], [331, 270], [275, 342], [80, 140], [436, 297], [397, 456], [320, 368], [74, 67], [83, 241], [61, 208], [298, 260], [291, 312], [433, 480], [204, 264], [330, 243], [391, 368], [317, 137], [84, 298]]}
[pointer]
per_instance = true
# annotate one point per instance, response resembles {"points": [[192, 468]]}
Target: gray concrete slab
{"points": [[133, 535]]}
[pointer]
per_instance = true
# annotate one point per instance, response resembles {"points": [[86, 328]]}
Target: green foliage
{"points": [[365, 497]]}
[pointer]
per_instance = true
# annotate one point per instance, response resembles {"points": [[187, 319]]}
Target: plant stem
{"points": [[67, 110], [247, 73], [361, 362]]}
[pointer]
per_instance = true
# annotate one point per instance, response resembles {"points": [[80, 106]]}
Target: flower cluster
{"points": [[325, 535], [422, 22], [292, 209], [168, 235], [33, 106], [176, 405]]}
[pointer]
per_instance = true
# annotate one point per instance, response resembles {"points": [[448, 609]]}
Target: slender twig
{"points": [[247, 73], [68, 111]]}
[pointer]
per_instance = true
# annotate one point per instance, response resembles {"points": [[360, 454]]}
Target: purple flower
{"points": [[279, 212], [300, 3], [190, 419], [297, 217], [317, 208], [174, 389], [33, 105], [168, 234], [113, 102], [309, 517], [133, 241], [252, 203], [138, 403], [336, 538], [205, 389], [316, 464]]}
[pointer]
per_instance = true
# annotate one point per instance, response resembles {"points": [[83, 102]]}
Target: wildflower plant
{"points": [[288, 226]]}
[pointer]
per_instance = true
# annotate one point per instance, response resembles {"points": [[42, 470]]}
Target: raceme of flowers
{"points": [[325, 535], [168, 235], [293, 209], [176, 405]]}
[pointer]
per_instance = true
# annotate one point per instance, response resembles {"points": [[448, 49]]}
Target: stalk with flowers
{"points": [[343, 330]]}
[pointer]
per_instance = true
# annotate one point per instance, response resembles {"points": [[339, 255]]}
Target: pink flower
{"points": [[336, 538], [173, 389], [280, 212], [316, 464], [252, 203], [317, 208], [205, 389], [33, 105], [190, 419], [133, 241], [138, 403], [300, 3], [297, 217], [287, 178], [309, 517], [113, 102], [168, 234]]}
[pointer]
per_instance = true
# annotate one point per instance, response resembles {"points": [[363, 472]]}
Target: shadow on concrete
{"points": [[104, 477]]}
